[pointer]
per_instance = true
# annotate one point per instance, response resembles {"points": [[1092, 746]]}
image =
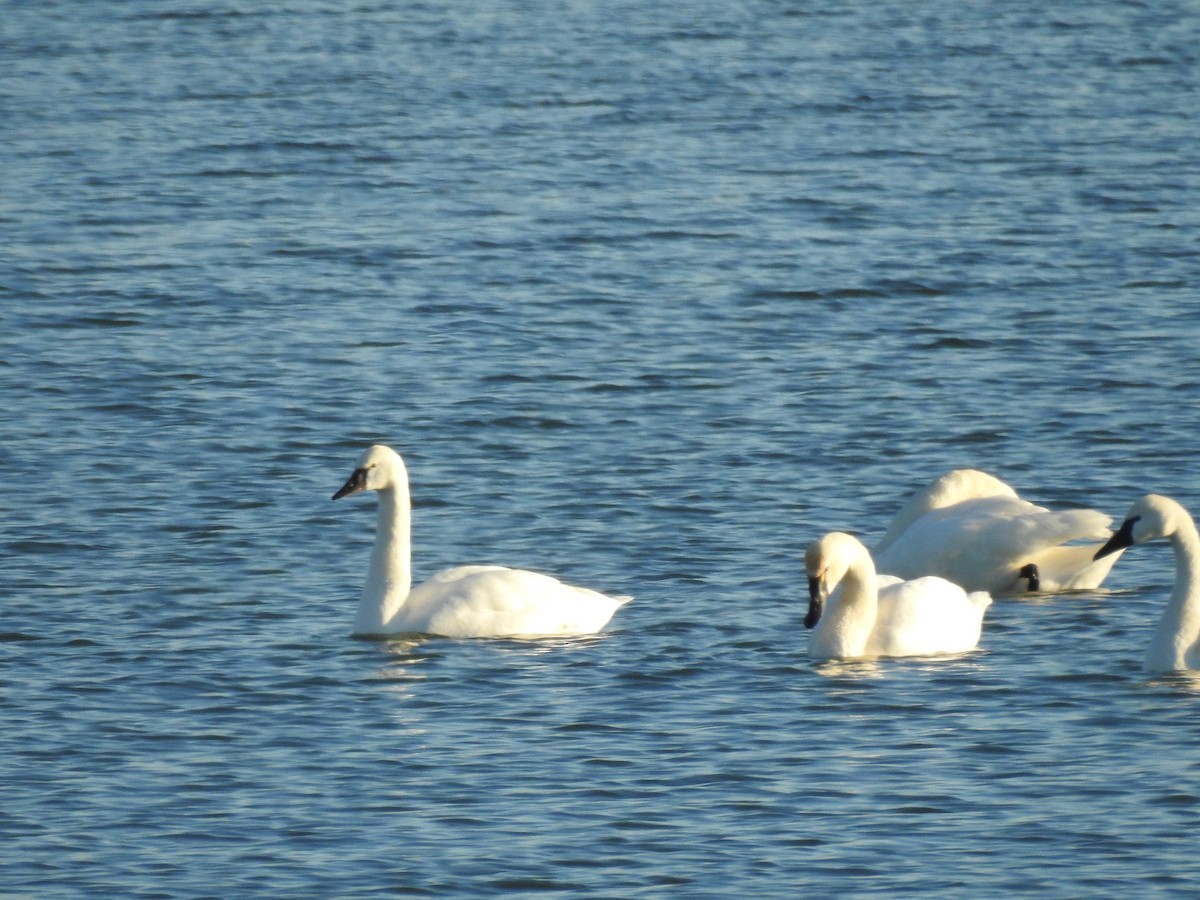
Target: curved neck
{"points": [[848, 621], [1179, 628], [390, 577]]}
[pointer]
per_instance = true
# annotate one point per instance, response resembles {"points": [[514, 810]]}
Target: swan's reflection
{"points": [[849, 668], [1185, 681], [877, 667], [405, 655]]}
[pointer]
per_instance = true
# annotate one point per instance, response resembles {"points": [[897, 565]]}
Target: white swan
{"points": [[971, 528], [1176, 642], [923, 617], [468, 601]]}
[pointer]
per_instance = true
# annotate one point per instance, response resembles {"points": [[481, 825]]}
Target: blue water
{"points": [[649, 296]]}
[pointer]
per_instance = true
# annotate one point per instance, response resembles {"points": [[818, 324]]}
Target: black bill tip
{"points": [[355, 483], [1122, 538]]}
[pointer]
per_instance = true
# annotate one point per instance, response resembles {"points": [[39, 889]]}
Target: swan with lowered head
{"points": [[971, 528], [467, 601], [1176, 642], [923, 617]]}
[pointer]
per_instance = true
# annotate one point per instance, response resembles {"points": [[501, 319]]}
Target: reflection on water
{"points": [[849, 669], [1187, 682], [404, 658]]}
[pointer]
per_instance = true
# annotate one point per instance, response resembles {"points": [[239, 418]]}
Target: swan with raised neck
{"points": [[466, 601], [1175, 645]]}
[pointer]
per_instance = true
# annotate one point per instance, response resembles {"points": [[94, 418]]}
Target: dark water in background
{"points": [[649, 296]]}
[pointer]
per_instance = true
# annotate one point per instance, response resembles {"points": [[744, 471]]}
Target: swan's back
{"points": [[490, 601], [982, 543], [948, 490], [925, 617]]}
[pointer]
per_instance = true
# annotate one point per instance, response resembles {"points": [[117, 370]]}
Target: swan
{"points": [[971, 528], [467, 601], [1176, 642], [922, 617]]}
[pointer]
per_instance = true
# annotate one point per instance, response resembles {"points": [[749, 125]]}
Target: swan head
{"points": [[379, 468], [826, 562], [1152, 516]]}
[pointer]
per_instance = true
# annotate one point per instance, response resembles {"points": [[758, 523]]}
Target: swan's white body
{"points": [[1176, 642], [923, 617], [971, 528], [467, 601]]}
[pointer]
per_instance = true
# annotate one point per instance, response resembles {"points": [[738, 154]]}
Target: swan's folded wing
{"points": [[927, 616], [945, 493], [982, 544], [1023, 538], [481, 601]]}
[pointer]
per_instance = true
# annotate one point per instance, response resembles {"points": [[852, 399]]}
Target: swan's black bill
{"points": [[1121, 539], [816, 603], [355, 483]]}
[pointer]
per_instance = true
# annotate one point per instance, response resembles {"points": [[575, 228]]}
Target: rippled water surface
{"points": [[649, 296]]}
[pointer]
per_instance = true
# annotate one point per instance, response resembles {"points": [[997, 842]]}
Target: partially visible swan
{"points": [[971, 528], [923, 617], [468, 601], [1176, 642]]}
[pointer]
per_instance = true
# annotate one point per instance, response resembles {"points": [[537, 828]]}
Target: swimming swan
{"points": [[971, 528], [923, 617], [1176, 642], [468, 601]]}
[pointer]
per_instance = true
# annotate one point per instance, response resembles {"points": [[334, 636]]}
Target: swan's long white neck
{"points": [[847, 626], [390, 577], [1179, 628]]}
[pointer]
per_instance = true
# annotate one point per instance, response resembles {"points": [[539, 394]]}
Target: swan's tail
{"points": [[1051, 541], [981, 600], [1083, 525], [1073, 568]]}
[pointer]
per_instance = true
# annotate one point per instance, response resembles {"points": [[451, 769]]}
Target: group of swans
{"points": [[958, 542]]}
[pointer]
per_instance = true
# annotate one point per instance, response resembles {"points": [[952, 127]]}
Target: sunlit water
{"points": [[649, 296]]}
